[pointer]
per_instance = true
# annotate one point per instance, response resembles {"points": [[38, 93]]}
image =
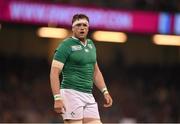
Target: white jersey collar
{"points": [[80, 41]]}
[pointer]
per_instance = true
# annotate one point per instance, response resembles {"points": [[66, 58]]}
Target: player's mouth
{"points": [[82, 32]]}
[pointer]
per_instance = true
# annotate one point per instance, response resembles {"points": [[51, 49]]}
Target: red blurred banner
{"points": [[105, 19]]}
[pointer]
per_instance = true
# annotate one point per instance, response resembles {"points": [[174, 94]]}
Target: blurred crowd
{"points": [[150, 5], [141, 93], [25, 91]]}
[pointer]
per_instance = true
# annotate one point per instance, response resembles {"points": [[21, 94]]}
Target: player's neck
{"points": [[82, 40]]}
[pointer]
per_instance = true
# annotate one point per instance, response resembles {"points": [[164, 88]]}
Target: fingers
{"points": [[59, 107], [108, 101], [59, 110], [64, 107], [108, 104]]}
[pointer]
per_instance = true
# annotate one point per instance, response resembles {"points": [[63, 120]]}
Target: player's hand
{"points": [[59, 106], [108, 100]]}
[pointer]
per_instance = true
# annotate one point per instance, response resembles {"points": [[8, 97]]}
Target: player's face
{"points": [[80, 30]]}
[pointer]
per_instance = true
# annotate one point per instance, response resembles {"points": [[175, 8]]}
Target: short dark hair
{"points": [[79, 16]]}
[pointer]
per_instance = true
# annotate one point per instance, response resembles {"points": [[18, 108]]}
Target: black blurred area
{"points": [[146, 93], [142, 78], [25, 90]]}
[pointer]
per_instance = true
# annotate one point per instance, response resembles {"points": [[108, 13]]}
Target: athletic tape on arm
{"points": [[57, 64]]}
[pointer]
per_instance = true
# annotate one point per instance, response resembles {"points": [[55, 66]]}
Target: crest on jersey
{"points": [[90, 46], [86, 50], [76, 47]]}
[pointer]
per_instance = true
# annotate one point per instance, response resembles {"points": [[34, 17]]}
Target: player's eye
{"points": [[79, 25], [85, 25]]}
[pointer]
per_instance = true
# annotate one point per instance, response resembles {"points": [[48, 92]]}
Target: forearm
{"points": [[56, 68], [55, 81], [98, 79]]}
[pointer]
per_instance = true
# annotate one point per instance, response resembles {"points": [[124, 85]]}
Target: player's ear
{"points": [[73, 29]]}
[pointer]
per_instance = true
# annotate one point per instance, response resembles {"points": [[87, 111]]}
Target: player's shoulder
{"points": [[63, 44], [66, 42], [90, 41]]}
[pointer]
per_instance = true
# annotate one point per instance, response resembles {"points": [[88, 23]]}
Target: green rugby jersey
{"points": [[79, 61]]}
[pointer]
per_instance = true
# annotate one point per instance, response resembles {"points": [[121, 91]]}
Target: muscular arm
{"points": [[98, 78], [100, 84], [56, 69]]}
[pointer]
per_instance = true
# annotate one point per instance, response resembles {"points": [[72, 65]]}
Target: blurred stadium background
{"points": [[139, 57]]}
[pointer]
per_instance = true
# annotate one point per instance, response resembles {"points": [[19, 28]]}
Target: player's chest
{"points": [[83, 54]]}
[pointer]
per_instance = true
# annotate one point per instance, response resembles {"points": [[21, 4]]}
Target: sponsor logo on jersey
{"points": [[76, 47]]}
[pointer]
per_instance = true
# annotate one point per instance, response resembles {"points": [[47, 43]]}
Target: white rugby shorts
{"points": [[79, 105]]}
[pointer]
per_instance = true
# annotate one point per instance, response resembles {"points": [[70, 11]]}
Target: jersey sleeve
{"points": [[62, 53]]}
